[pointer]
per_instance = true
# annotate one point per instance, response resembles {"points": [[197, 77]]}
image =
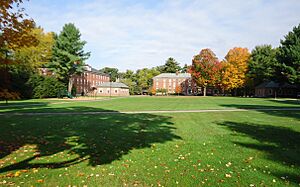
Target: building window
{"points": [[116, 91]]}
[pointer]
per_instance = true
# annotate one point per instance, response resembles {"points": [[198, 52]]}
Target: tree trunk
{"points": [[70, 85], [204, 91]]}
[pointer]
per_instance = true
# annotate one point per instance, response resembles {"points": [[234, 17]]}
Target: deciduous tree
{"points": [[8, 95], [144, 77], [14, 27], [205, 69], [113, 72], [235, 67], [14, 33], [178, 89], [39, 55]]}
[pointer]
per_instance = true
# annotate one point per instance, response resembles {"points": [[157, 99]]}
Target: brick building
{"points": [[275, 89], [112, 89], [170, 81], [88, 81]]}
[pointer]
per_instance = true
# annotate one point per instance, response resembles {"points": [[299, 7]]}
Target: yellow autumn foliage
{"points": [[235, 67], [36, 56]]}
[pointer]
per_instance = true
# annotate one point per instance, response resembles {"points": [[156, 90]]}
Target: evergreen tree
{"points": [[289, 57], [185, 68], [262, 64], [68, 54], [171, 66]]}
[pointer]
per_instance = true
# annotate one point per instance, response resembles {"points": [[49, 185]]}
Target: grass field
{"points": [[145, 103], [249, 148]]}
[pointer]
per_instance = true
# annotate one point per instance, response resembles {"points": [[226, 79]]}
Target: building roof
{"points": [[112, 85], [88, 68], [173, 75]]}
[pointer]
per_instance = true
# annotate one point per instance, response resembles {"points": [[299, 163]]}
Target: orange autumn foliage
{"points": [[234, 68], [178, 89], [14, 28]]}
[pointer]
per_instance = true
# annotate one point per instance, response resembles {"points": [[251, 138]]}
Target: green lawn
{"points": [[260, 148], [146, 103]]}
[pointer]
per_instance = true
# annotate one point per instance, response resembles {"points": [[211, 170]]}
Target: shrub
{"points": [[6, 95], [46, 87]]}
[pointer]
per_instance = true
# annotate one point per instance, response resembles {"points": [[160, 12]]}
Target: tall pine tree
{"points": [[171, 66], [68, 55], [289, 57]]}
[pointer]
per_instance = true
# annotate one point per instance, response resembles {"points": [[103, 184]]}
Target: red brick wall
{"points": [[170, 84], [88, 80]]}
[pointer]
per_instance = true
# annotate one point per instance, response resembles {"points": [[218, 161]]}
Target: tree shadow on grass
{"points": [[99, 139], [295, 102], [21, 105], [290, 111], [281, 144]]}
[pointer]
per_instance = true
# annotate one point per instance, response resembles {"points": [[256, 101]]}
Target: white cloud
{"points": [[130, 35]]}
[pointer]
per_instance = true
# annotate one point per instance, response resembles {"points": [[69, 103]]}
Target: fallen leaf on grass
{"points": [[227, 175], [18, 173]]}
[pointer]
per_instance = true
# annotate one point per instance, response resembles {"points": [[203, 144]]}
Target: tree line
{"points": [[26, 48], [241, 71], [237, 74], [140, 81]]}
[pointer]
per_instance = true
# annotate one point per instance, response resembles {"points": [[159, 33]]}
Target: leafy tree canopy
{"points": [[113, 72], [205, 68], [235, 67], [14, 27], [39, 55], [262, 64], [289, 56], [144, 77]]}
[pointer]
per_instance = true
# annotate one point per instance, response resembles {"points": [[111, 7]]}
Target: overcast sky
{"points": [[133, 34]]}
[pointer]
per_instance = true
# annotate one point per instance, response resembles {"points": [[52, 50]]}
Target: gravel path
{"points": [[144, 111]]}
